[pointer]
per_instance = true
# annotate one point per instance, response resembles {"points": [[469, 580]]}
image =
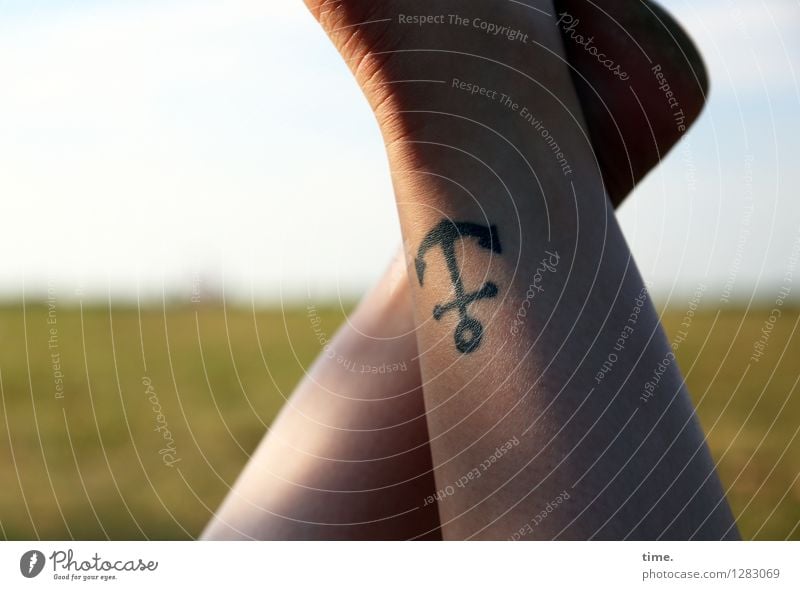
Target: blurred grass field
{"points": [[87, 465]]}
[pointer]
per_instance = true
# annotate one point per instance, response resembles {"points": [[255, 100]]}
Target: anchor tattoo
{"points": [[469, 330]]}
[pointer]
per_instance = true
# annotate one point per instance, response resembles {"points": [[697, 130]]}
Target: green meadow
{"points": [[86, 390]]}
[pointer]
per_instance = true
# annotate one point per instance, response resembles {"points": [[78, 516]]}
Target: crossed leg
{"points": [[349, 456]]}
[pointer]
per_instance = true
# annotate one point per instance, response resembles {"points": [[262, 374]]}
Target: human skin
{"points": [[634, 466], [348, 456], [455, 444]]}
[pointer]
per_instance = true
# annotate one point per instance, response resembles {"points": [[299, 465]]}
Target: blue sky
{"points": [[146, 145]]}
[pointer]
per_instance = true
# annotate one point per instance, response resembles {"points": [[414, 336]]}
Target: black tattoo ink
{"points": [[469, 330]]}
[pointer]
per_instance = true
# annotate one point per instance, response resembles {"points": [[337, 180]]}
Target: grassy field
{"points": [[82, 458]]}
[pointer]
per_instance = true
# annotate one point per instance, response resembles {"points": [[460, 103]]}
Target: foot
{"points": [[632, 128], [631, 122]]}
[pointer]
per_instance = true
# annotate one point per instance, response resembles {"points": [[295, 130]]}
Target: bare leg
{"points": [[498, 383], [622, 136], [348, 457]]}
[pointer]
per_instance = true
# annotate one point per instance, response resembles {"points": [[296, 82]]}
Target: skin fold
{"points": [[350, 458]]}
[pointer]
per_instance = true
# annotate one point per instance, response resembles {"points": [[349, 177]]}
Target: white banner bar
{"points": [[386, 566]]}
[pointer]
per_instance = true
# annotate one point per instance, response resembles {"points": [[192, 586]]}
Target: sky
{"points": [[151, 148]]}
